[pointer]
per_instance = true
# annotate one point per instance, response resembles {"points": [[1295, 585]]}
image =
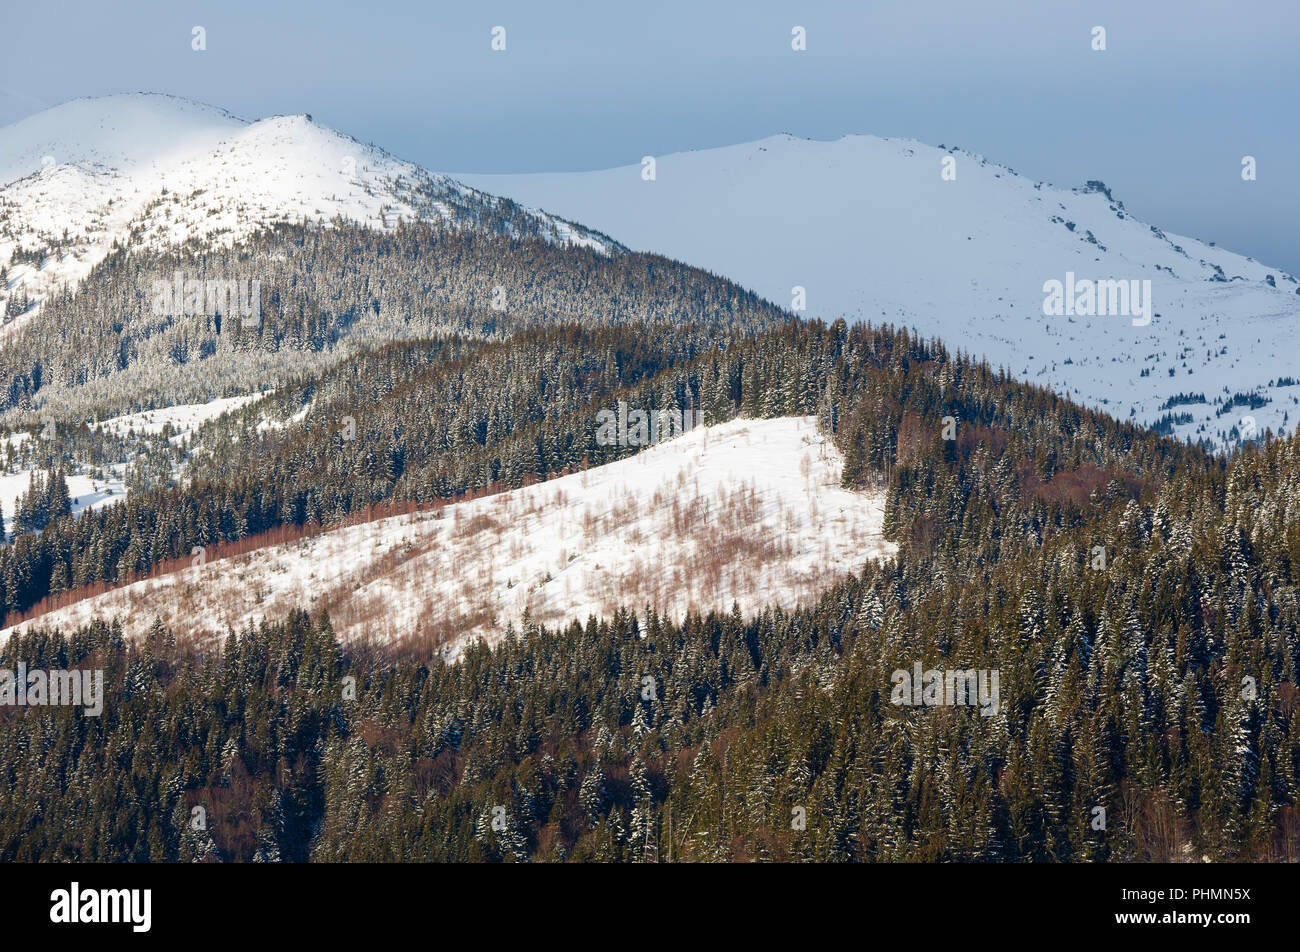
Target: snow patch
{"points": [[748, 512]]}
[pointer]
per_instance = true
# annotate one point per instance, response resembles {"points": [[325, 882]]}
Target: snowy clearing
{"points": [[184, 418], [89, 491], [749, 511], [86, 492]]}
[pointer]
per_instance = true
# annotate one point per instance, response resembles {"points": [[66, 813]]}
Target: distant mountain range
{"points": [[880, 230]]}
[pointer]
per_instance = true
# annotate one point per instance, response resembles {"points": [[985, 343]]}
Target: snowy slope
{"points": [[150, 170], [747, 511], [873, 232], [85, 490], [184, 418]]}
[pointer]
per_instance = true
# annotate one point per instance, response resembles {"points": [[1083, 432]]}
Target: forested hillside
{"points": [[407, 425], [1139, 598], [326, 293]]}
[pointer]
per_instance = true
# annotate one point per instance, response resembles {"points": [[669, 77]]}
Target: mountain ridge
{"points": [[870, 229], [158, 171], [884, 230]]}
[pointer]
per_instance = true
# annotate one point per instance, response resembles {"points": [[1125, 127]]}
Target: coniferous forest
{"points": [[723, 467], [1138, 596]]}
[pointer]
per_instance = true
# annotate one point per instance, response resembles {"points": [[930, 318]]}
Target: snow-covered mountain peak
{"points": [[111, 133], [160, 171], [961, 248]]}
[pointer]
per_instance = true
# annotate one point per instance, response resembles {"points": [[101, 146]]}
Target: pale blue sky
{"points": [[1184, 90]]}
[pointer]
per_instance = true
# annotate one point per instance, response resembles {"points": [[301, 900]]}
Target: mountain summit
{"points": [[146, 170], [891, 230]]}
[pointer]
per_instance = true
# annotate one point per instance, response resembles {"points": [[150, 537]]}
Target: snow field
{"points": [[749, 511]]}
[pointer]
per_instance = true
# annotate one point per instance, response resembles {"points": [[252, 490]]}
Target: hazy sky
{"points": [[1163, 116]]}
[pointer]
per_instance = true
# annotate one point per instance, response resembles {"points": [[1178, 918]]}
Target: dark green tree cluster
{"points": [[45, 500]]}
